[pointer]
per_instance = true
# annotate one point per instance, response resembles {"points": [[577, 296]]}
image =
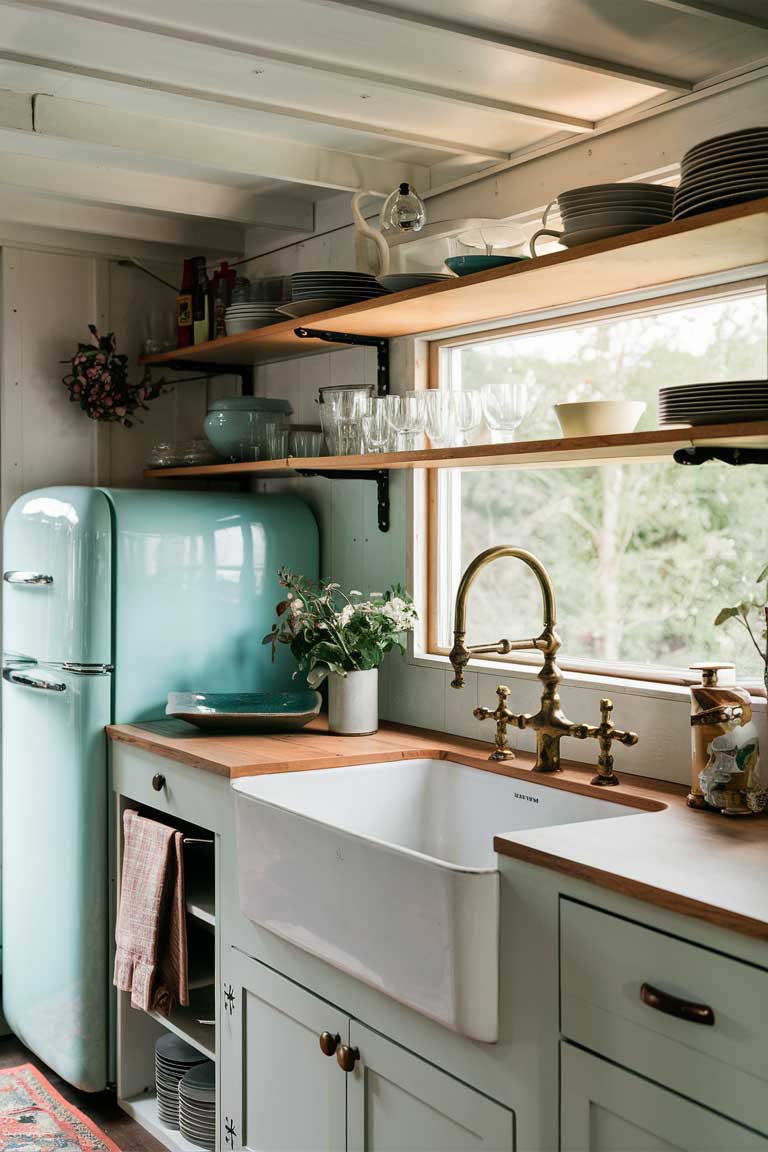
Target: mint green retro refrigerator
{"points": [[111, 599]]}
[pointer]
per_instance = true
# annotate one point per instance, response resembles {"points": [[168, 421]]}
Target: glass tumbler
{"points": [[305, 442], [376, 429], [275, 440]]}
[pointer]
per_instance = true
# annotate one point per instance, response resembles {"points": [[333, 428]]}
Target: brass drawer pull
{"points": [[674, 1006], [329, 1043], [347, 1057], [158, 782]]}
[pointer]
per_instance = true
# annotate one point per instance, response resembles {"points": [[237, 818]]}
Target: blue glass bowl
{"points": [[245, 711]]}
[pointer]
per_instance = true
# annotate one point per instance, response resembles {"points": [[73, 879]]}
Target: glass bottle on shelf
{"points": [[184, 329], [200, 301]]}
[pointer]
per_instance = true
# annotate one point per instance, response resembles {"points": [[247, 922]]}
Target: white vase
{"points": [[353, 703]]}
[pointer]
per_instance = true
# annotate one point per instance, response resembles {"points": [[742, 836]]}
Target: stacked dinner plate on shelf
{"points": [[725, 170], [197, 1105], [319, 291], [249, 315], [735, 401], [600, 211], [173, 1060]]}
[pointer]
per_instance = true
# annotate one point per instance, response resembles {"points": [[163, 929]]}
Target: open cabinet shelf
{"points": [[637, 446], [715, 242], [184, 1022], [144, 1110]]}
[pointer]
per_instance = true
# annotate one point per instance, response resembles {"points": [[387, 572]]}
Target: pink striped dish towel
{"points": [[151, 932]]}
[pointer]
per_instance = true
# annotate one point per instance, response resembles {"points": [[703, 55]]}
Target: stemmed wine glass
{"points": [[407, 416], [468, 413], [375, 425], [504, 403], [440, 417]]}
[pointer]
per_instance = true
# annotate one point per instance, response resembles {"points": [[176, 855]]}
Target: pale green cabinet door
{"points": [[398, 1103], [280, 1093], [605, 1109]]}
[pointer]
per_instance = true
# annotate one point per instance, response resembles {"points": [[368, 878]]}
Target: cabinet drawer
{"points": [[604, 963], [184, 792]]}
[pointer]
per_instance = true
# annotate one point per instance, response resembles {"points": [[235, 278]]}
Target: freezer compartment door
{"points": [[55, 868], [57, 576]]}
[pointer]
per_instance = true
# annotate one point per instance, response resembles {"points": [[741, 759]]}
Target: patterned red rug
{"points": [[35, 1118]]}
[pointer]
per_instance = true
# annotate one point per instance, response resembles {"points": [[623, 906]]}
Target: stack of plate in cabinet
{"points": [[725, 170], [197, 1105], [735, 401], [173, 1059], [600, 211], [319, 291]]}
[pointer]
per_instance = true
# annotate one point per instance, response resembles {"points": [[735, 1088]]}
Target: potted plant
{"points": [[745, 614], [344, 637]]}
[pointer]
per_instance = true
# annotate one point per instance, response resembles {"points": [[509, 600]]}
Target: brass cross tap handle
{"points": [[502, 715], [605, 734]]}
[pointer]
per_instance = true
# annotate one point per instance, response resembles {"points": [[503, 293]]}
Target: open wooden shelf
{"points": [[184, 1022], [580, 450], [722, 241]]}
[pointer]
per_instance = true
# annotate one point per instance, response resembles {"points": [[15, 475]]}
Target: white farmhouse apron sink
{"points": [[388, 872]]}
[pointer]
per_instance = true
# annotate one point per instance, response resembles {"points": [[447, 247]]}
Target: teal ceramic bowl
{"points": [[235, 426], [466, 265], [245, 711]]}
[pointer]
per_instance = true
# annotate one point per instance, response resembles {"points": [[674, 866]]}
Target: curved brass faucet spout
{"points": [[549, 722]]}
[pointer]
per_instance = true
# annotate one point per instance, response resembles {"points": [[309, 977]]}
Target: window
{"points": [[642, 555]]}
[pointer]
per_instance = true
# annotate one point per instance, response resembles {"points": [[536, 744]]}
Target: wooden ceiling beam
{"points": [[517, 44], [707, 11], [304, 62]]}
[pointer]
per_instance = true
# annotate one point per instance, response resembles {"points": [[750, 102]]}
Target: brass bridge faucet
{"points": [[549, 723]]}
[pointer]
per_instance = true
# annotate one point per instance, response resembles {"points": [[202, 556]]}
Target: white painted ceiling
{"points": [[291, 101]]}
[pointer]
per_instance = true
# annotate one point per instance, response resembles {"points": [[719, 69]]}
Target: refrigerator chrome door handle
{"points": [[34, 579], [24, 681], [84, 669]]}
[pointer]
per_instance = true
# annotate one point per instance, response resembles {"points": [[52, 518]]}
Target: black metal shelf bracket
{"points": [[211, 371], [380, 475], [727, 455], [380, 343]]}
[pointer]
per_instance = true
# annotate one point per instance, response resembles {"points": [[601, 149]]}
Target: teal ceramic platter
{"points": [[466, 265], [245, 711]]}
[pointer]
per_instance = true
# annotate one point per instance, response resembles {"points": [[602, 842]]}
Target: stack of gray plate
{"points": [[319, 291], [600, 211], [247, 316], [173, 1059], [734, 401], [725, 170], [197, 1105]]}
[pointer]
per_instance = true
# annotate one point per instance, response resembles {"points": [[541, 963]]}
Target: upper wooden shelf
{"points": [[721, 241], [635, 446]]}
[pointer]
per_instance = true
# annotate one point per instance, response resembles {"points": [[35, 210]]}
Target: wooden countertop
{"points": [[694, 863]]}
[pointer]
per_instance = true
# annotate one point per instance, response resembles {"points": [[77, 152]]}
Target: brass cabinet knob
{"points": [[329, 1043], [347, 1057], [158, 782]]}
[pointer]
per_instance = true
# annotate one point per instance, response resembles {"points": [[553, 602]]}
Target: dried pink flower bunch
{"points": [[99, 382]]}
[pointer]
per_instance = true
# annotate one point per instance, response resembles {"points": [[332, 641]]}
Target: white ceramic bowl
{"points": [[599, 417]]}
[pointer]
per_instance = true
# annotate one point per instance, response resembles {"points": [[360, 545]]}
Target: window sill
{"points": [[656, 690]]}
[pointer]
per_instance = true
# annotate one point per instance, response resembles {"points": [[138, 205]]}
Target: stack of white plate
{"points": [[173, 1060], [402, 281], [319, 291], [725, 170], [247, 316], [600, 211], [731, 402], [197, 1105]]}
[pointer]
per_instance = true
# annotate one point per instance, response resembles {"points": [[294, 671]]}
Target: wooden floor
{"points": [[99, 1106]]}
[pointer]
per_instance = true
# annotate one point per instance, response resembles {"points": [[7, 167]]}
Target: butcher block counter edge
{"points": [[697, 864]]}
